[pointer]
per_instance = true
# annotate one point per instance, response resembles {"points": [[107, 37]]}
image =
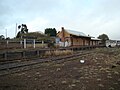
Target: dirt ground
{"points": [[101, 71]]}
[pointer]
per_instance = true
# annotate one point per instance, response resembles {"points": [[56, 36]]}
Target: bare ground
{"points": [[101, 71]]}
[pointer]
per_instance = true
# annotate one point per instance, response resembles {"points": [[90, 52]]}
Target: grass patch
{"points": [[58, 53]]}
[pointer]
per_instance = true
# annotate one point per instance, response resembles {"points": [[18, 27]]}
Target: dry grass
{"points": [[58, 53], [37, 45]]}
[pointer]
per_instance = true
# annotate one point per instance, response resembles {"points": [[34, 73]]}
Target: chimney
{"points": [[63, 36], [62, 28], [63, 32]]}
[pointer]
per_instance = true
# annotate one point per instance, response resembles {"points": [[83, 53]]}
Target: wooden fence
{"points": [[12, 44], [11, 55], [27, 53]]}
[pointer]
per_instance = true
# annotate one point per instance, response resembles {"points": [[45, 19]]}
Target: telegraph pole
{"points": [[16, 30], [6, 38]]}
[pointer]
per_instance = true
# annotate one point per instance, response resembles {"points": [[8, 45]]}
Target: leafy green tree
{"points": [[23, 30], [103, 38], [50, 31]]}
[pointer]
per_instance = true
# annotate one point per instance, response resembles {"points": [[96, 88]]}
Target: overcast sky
{"points": [[93, 17]]}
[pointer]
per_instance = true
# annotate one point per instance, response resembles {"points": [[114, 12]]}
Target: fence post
{"points": [[7, 43], [42, 43], [5, 55], [23, 54], [38, 53], [24, 43], [34, 43], [21, 44]]}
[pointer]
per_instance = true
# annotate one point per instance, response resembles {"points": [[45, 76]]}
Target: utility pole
{"points": [[6, 38], [16, 30]]}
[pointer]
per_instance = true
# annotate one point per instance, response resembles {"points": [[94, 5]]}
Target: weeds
{"points": [[58, 53]]}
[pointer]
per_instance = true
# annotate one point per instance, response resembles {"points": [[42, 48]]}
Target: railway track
{"points": [[18, 66]]}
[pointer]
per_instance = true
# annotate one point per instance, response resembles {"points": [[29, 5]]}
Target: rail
{"points": [[9, 68]]}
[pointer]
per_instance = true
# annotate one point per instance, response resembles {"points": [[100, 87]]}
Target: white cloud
{"points": [[92, 17], [36, 24]]}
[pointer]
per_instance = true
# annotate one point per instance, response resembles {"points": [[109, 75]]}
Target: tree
{"points": [[2, 37], [103, 38], [35, 35], [23, 30], [50, 31], [8, 38]]}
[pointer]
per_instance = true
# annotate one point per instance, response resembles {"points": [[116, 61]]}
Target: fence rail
{"points": [[19, 44], [27, 53], [16, 55]]}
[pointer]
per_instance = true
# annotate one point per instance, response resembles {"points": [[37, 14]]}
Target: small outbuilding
{"points": [[112, 43]]}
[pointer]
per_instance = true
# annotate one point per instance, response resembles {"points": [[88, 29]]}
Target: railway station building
{"points": [[75, 38]]}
